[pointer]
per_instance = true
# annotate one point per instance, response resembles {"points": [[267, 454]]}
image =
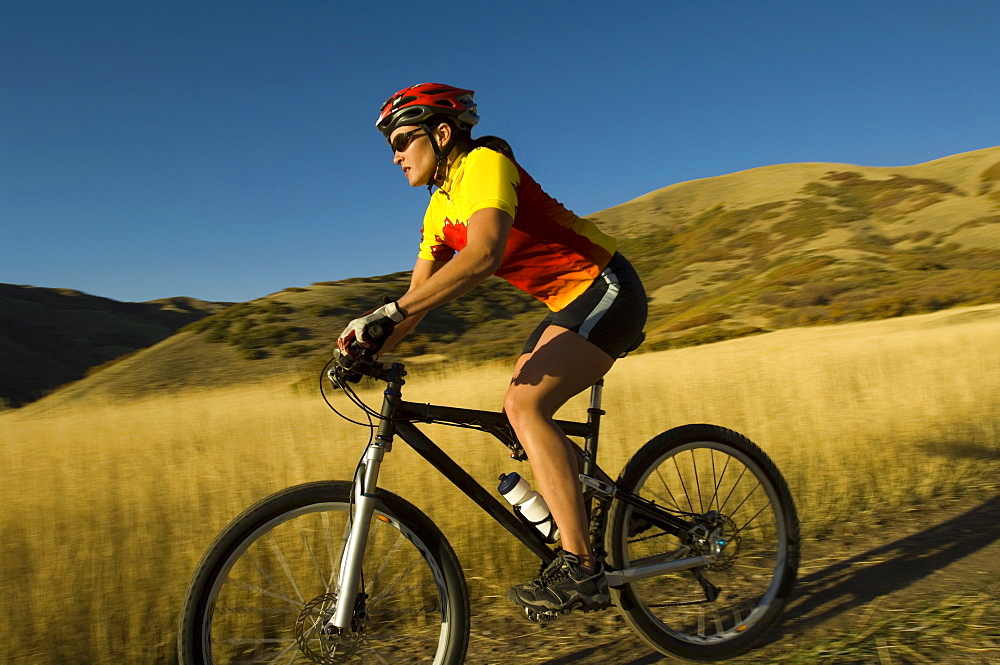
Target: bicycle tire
{"points": [[265, 587], [693, 470]]}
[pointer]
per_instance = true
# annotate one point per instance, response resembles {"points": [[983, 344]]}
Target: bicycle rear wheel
{"points": [[731, 493], [266, 588]]}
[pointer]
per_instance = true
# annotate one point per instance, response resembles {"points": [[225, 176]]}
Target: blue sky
{"points": [[227, 150]]}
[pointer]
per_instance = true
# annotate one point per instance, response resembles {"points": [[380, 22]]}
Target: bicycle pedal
{"points": [[540, 617]]}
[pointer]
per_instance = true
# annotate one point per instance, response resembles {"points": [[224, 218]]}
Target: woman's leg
{"points": [[561, 365]]}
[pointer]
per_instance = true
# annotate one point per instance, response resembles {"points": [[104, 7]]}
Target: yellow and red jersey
{"points": [[551, 253]]}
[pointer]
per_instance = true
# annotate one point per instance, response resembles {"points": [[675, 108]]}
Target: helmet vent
{"points": [[421, 102]]}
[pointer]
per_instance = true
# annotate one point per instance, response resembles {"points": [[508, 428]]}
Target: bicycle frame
{"points": [[398, 418]]}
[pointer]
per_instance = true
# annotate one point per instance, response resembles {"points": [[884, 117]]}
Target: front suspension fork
{"points": [[349, 579], [365, 485]]}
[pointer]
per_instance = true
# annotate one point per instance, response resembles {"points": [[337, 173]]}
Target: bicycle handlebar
{"points": [[363, 363]]}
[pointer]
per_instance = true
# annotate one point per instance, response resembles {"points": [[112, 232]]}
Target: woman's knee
{"points": [[522, 405]]}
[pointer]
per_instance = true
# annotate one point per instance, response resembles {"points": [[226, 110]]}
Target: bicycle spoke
{"points": [[332, 537], [745, 499], [666, 486], [375, 653], [722, 478], [680, 477], [266, 592], [289, 650], [719, 481], [732, 489], [315, 562], [745, 525], [387, 558], [283, 562], [697, 483], [715, 481]]}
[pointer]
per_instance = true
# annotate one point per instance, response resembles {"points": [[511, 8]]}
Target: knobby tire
{"points": [[697, 471], [266, 587]]}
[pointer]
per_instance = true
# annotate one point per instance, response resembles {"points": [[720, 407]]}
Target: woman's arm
{"points": [[422, 271], [436, 283], [487, 240]]}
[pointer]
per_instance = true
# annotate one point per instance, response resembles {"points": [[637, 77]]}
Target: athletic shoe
{"points": [[563, 586]]}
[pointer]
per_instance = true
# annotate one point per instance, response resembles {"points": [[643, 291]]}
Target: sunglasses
{"points": [[401, 142]]}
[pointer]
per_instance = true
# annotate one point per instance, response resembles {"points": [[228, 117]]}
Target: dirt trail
{"points": [[918, 589]]}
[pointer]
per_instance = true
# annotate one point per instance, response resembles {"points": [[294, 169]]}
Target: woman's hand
{"points": [[372, 329], [434, 284]]}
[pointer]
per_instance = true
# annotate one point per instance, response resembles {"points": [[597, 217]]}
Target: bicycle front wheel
{"points": [[266, 589], [741, 515]]}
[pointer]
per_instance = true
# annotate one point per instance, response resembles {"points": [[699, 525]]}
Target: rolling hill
{"points": [[739, 254], [800, 244], [49, 337]]}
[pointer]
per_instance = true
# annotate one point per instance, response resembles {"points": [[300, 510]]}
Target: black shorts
{"points": [[610, 313]]}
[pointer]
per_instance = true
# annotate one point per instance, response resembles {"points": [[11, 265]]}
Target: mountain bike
{"points": [[699, 537]]}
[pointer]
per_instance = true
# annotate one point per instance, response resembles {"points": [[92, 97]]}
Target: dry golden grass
{"points": [[105, 507]]}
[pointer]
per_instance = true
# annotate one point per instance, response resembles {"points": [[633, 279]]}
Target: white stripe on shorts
{"points": [[602, 307]]}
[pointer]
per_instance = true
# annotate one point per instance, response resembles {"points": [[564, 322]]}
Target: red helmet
{"points": [[418, 103]]}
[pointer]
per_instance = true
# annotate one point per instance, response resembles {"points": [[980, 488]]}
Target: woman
{"points": [[488, 216]]}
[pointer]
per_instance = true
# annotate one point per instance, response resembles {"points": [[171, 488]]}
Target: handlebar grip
{"points": [[373, 331], [359, 362], [349, 367]]}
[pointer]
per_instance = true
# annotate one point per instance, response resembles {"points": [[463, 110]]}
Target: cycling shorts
{"points": [[610, 314]]}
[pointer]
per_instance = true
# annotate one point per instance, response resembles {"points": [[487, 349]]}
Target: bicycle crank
{"points": [[549, 616], [540, 617]]}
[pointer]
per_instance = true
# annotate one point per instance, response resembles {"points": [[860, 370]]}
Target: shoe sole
{"points": [[595, 603]]}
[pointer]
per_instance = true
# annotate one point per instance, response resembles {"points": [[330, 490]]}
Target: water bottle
{"points": [[528, 504]]}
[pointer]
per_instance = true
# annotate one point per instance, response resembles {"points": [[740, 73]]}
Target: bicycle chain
{"points": [[598, 519]]}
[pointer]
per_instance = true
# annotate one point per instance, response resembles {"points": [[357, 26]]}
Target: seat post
{"points": [[594, 414], [596, 392]]}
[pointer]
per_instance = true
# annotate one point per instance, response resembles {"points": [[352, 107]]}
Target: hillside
{"points": [[49, 337], [801, 244], [739, 254], [294, 332]]}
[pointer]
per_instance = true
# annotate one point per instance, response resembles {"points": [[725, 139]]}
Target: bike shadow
{"points": [[851, 583], [848, 584]]}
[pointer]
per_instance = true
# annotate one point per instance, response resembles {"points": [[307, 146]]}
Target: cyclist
{"points": [[488, 216]]}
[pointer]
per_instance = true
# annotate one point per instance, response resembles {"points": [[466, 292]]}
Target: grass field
{"points": [[106, 507]]}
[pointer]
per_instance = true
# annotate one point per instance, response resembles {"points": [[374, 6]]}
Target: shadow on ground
{"points": [[848, 584], [844, 586]]}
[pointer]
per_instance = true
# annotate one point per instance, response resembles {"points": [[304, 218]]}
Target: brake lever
{"points": [[354, 368]]}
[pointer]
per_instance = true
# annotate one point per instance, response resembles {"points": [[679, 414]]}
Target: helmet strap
{"points": [[441, 165]]}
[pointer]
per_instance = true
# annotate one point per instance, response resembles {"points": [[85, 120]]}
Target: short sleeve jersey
{"points": [[551, 253]]}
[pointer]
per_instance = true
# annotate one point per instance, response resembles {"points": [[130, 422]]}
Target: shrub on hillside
{"points": [[871, 242], [796, 271], [702, 319], [705, 335], [266, 337], [322, 309], [854, 192], [917, 293], [988, 178], [295, 350], [809, 295]]}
